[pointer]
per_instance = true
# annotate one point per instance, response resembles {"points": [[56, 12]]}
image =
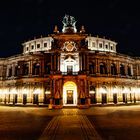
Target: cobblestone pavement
{"points": [[33, 123], [70, 127]]}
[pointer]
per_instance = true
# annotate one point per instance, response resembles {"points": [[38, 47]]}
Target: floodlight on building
{"points": [[24, 91], [13, 91], [37, 91]]}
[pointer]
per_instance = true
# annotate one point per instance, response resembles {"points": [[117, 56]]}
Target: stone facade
{"points": [[69, 68]]}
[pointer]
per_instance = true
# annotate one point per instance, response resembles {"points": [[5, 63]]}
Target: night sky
{"points": [[22, 20]]}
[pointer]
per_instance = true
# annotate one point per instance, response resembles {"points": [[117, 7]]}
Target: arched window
{"points": [[47, 69], [92, 91], [129, 71], [25, 69], [113, 69], [92, 68], [36, 69], [122, 69], [103, 69], [103, 91], [10, 72], [17, 68]]}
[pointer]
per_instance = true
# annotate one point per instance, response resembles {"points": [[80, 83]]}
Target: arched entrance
{"points": [[103, 91], [69, 94]]}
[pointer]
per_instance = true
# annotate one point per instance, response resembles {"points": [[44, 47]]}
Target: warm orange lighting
{"points": [[13, 91], [37, 91], [70, 86], [103, 90], [25, 91]]}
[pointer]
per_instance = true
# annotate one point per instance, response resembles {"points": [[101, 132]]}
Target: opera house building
{"points": [[69, 68]]}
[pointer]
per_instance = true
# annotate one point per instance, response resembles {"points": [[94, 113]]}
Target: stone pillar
{"points": [[98, 100], [84, 62], [132, 73], [87, 62], [96, 66], [125, 70], [51, 87], [58, 62], [80, 62], [54, 85], [13, 70], [118, 68], [30, 67], [61, 88], [108, 67], [88, 101], [52, 62], [87, 92], [21, 69], [42, 67], [55, 57], [78, 92]]}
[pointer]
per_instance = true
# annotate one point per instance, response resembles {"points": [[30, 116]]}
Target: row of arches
{"points": [[103, 69], [24, 69], [114, 94], [24, 95]]}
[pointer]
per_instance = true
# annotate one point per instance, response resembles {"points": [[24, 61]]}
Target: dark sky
{"points": [[22, 20]]}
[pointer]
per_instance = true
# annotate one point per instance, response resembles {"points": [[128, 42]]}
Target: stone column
{"points": [[118, 68], [54, 85], [30, 67], [42, 67], [55, 64], [87, 64], [51, 87], [84, 61], [125, 70], [13, 70], [98, 100], [78, 91], [58, 62], [80, 62], [52, 63], [108, 67], [96, 66], [21, 68]]}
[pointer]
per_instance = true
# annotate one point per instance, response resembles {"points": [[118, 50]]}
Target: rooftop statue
{"points": [[69, 22]]}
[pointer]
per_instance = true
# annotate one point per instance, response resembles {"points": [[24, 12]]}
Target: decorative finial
{"points": [[56, 29], [82, 29]]}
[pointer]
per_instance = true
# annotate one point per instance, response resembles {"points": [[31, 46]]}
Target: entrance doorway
{"points": [[69, 94], [104, 98], [35, 98], [69, 68], [115, 98]]}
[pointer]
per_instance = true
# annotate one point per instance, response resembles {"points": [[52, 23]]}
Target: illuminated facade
{"points": [[69, 68]]}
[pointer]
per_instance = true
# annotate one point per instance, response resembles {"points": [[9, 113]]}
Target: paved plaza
{"points": [[95, 123]]}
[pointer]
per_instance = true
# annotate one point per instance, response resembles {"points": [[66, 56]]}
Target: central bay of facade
{"points": [[69, 68]]}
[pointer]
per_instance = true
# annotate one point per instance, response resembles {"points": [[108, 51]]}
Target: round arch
{"points": [[69, 94]]}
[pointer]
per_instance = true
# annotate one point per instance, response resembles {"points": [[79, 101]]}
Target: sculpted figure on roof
{"points": [[69, 21]]}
